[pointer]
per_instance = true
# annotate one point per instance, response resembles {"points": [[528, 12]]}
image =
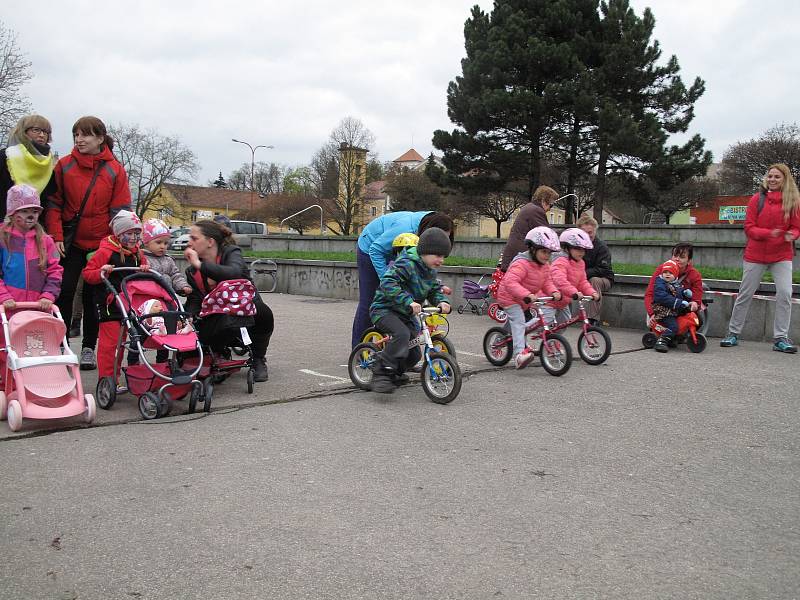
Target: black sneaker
{"points": [[260, 369], [400, 379], [382, 384], [662, 345]]}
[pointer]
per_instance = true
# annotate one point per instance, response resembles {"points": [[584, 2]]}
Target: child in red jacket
{"points": [[120, 249], [528, 274], [569, 274]]}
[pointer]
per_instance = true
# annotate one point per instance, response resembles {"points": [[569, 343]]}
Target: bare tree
{"points": [[744, 164], [345, 149], [151, 160], [14, 73], [267, 178], [692, 192]]}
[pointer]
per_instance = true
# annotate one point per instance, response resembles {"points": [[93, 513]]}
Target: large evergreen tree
{"points": [[516, 80]]}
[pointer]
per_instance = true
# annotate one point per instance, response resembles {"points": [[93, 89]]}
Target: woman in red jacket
{"points": [[772, 224], [92, 187]]}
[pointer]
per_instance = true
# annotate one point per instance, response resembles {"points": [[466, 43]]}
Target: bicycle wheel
{"points": [[442, 344], [441, 379], [594, 345], [497, 346], [649, 340], [372, 336], [697, 346], [555, 354], [359, 366]]}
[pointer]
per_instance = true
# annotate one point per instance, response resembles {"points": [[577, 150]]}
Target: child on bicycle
{"points": [[527, 276], [29, 266], [569, 274], [669, 301], [410, 281], [120, 249]]}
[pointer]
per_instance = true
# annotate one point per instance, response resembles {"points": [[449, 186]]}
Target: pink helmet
{"points": [[154, 229], [577, 238], [543, 237]]}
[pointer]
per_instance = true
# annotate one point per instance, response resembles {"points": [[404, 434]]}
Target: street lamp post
{"points": [[252, 168]]}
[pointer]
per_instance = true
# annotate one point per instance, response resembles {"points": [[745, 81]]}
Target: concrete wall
{"points": [[727, 251], [329, 279]]}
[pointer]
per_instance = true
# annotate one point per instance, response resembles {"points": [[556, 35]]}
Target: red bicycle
{"points": [[594, 344]]}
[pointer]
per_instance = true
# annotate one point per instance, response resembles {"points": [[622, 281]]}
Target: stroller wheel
{"points": [[91, 408], [164, 405], [14, 415], [251, 380], [106, 392], [460, 309], [697, 346], [149, 406], [208, 393], [194, 396]]}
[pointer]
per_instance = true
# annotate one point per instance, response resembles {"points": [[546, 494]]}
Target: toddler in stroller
{"points": [[157, 384]]}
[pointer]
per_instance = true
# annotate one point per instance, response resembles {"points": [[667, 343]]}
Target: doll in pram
{"points": [[41, 379], [156, 383]]}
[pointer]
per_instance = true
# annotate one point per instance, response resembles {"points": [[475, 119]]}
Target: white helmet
{"points": [[543, 237], [577, 238]]}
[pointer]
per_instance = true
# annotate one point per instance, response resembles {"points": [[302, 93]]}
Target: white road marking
{"points": [[467, 353], [310, 372]]}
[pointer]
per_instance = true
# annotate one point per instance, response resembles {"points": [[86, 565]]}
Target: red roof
{"points": [[410, 156], [375, 190], [210, 197]]}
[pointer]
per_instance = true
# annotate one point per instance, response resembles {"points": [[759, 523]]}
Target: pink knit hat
{"points": [[22, 196], [154, 229]]}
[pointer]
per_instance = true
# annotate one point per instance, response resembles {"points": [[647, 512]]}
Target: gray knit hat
{"points": [[434, 241], [124, 221]]}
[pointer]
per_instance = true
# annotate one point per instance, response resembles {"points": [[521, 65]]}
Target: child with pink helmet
{"points": [[528, 275], [29, 262], [569, 273]]}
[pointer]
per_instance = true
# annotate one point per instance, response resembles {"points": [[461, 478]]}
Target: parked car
{"points": [[177, 232], [243, 232], [179, 243]]}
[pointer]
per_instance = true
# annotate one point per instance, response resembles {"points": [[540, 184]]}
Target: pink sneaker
{"points": [[523, 358]]}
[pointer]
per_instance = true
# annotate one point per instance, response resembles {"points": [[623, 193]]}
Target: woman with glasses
{"points": [[27, 159], [92, 187]]}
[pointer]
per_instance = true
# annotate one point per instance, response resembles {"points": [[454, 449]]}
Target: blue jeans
{"points": [[368, 281]]}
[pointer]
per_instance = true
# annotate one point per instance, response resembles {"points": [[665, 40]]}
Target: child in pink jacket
{"points": [[569, 274], [527, 275], [29, 266]]}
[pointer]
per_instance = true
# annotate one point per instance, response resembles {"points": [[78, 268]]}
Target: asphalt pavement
{"points": [[651, 476]]}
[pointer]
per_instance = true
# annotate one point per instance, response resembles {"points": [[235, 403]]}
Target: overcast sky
{"points": [[285, 73]]}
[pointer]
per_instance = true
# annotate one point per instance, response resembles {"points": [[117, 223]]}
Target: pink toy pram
{"points": [[41, 379], [156, 384]]}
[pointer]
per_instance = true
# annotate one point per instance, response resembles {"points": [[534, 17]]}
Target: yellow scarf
{"points": [[24, 167]]}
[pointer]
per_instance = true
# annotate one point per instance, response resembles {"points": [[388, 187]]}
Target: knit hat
{"points": [[672, 267], [434, 241], [124, 221], [22, 196], [154, 229]]}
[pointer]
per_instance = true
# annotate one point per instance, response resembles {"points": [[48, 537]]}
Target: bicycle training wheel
{"points": [[555, 354], [497, 346], [441, 379], [372, 336], [359, 366], [594, 345]]}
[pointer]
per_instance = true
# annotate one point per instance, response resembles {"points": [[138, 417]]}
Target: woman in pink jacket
{"points": [[527, 275], [569, 274], [772, 224], [29, 265]]}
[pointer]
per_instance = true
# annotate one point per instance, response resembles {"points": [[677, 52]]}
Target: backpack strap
{"points": [[762, 198]]}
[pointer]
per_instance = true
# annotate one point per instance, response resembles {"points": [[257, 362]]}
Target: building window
{"points": [[374, 210], [194, 216]]}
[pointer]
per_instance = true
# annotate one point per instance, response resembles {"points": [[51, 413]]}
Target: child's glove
{"points": [[687, 294], [683, 308], [575, 296], [527, 299]]}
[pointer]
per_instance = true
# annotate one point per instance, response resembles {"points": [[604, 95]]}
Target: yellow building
{"points": [[184, 204]]}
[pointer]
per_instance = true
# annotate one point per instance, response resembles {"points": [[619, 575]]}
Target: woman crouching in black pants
{"points": [[214, 257]]}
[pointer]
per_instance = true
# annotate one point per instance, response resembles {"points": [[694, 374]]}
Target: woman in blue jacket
{"points": [[374, 251]]}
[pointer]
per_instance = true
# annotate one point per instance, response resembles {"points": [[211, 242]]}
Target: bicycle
{"points": [[441, 375], [594, 344], [436, 323]]}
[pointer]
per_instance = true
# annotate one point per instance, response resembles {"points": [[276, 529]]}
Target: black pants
{"points": [[397, 356], [73, 263], [215, 333]]}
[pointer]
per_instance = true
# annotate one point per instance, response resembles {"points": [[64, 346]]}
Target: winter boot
{"points": [[662, 344], [382, 380], [260, 369]]}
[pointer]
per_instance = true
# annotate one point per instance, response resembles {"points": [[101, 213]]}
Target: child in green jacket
{"points": [[403, 288]]}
